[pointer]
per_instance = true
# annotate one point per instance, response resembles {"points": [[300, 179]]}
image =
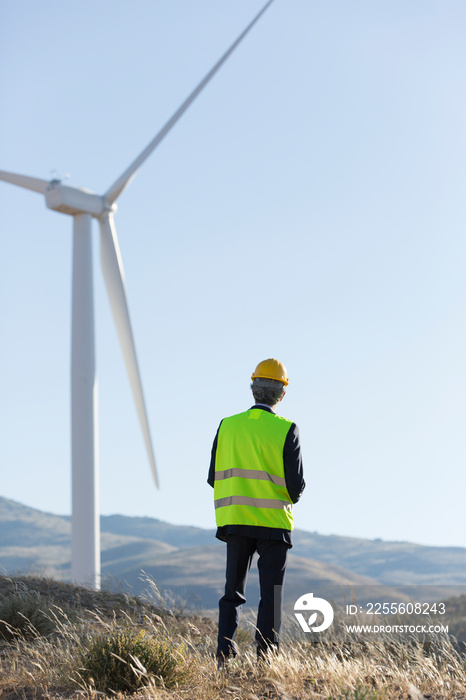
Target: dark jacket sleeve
{"points": [[293, 463], [211, 477]]}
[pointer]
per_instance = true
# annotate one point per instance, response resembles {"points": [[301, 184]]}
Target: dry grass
{"points": [[339, 667]]}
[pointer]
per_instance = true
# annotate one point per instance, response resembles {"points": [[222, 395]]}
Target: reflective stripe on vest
{"points": [[250, 486], [256, 502], [251, 474]]}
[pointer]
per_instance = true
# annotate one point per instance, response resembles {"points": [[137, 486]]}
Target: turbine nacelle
{"points": [[75, 200]]}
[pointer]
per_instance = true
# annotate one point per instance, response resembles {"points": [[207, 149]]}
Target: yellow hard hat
{"points": [[271, 369]]}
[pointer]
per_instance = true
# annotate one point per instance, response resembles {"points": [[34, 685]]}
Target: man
{"points": [[257, 474]]}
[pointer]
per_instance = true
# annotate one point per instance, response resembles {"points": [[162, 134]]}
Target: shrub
{"points": [[28, 615], [122, 660]]}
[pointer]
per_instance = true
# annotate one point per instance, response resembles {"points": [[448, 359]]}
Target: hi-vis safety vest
{"points": [[250, 486]]}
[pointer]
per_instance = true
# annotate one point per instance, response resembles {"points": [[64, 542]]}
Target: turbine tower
{"points": [[83, 206]]}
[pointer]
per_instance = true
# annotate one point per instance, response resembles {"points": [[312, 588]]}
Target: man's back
{"points": [[250, 487]]}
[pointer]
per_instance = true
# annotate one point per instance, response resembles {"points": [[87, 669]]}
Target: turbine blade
{"points": [[30, 183], [117, 188], [112, 269]]}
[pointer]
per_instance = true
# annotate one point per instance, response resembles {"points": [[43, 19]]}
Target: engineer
{"points": [[257, 474]]}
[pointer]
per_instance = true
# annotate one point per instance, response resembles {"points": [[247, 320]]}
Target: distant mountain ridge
{"points": [[190, 561]]}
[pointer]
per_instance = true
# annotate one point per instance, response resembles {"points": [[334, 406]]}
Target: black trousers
{"points": [[271, 565]]}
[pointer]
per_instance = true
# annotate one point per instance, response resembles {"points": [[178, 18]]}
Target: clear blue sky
{"points": [[309, 206]]}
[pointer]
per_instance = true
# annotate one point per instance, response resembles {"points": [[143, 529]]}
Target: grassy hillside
{"points": [[180, 536], [398, 563], [99, 644]]}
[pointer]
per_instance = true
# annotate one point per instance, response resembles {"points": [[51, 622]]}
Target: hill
{"points": [[190, 562]]}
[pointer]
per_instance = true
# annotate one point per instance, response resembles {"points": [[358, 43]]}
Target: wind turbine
{"points": [[84, 205]]}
